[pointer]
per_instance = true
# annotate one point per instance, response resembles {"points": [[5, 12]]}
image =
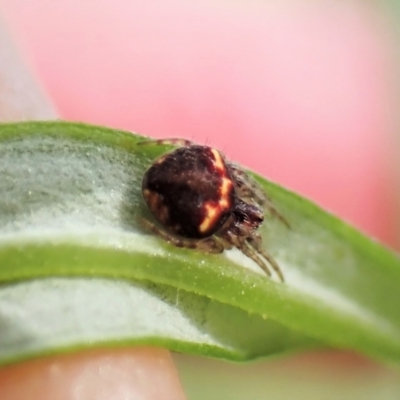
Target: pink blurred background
{"points": [[300, 92]]}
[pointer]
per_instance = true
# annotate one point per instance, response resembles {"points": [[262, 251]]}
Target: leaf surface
{"points": [[78, 270]]}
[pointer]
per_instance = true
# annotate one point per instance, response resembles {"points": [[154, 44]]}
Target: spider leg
{"points": [[171, 141], [249, 190], [255, 242], [251, 247], [246, 187], [227, 245], [208, 245], [249, 251], [271, 208]]}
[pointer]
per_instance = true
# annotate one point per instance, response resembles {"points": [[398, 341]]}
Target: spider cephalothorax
{"points": [[203, 201]]}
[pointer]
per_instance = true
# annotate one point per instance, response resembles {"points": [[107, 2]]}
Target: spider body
{"points": [[190, 191], [203, 201]]}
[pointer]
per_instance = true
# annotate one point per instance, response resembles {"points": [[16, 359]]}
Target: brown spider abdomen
{"points": [[190, 191]]}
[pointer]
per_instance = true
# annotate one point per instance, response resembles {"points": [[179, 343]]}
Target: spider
{"points": [[203, 201]]}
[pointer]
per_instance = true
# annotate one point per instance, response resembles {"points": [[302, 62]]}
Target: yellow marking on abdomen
{"points": [[212, 215], [213, 212], [218, 161], [225, 188]]}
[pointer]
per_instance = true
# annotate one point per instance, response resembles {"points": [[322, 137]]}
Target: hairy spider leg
{"points": [[248, 189], [209, 245], [251, 247], [271, 208], [249, 251], [255, 242]]}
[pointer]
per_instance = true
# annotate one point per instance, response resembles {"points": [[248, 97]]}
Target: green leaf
{"points": [[77, 270]]}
